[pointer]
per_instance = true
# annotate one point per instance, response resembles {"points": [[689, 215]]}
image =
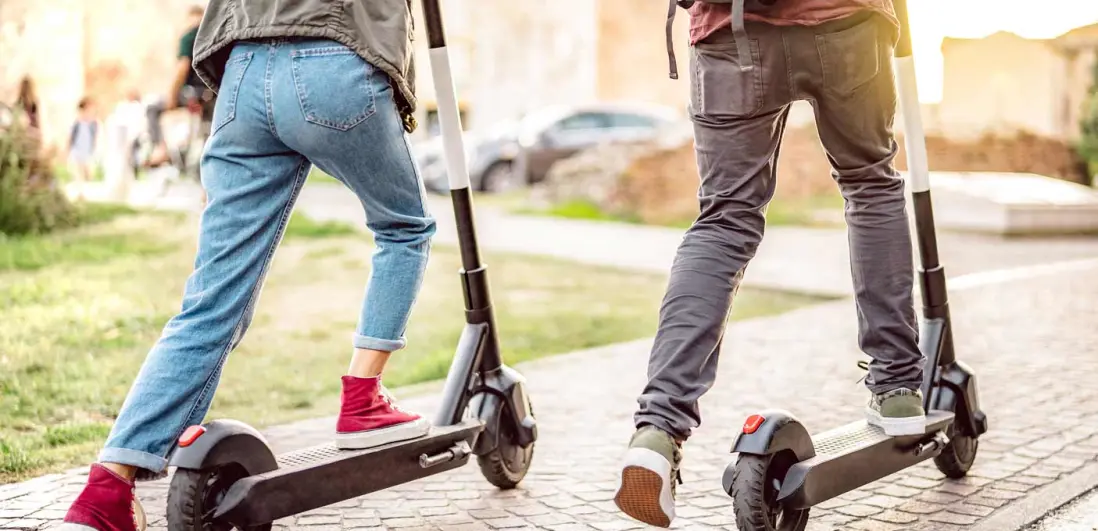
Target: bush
{"points": [[1088, 138], [30, 202], [1088, 142]]}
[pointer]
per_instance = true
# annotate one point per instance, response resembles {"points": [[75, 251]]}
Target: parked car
{"points": [[519, 153]]}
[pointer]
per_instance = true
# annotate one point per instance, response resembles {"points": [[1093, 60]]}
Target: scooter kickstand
{"points": [[457, 451], [939, 441]]}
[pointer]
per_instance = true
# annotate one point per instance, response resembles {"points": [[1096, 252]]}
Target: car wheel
{"points": [[499, 177]]}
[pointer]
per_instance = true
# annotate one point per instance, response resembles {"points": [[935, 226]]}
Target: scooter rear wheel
{"points": [[957, 457], [756, 482], [194, 494], [506, 466]]}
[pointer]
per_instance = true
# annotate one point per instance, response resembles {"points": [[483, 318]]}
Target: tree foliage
{"points": [[1088, 142]]}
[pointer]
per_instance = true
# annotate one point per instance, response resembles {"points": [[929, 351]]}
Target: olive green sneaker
{"points": [[646, 490], [897, 412]]}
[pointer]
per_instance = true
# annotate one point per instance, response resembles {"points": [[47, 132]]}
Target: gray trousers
{"points": [[843, 68]]}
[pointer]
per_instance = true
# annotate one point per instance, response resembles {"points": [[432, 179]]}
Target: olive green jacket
{"points": [[378, 30]]}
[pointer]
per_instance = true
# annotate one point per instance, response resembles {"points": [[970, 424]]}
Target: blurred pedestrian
{"points": [[82, 145], [27, 101], [186, 89]]}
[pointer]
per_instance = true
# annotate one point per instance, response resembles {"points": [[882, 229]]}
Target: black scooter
{"points": [[781, 471], [227, 476]]}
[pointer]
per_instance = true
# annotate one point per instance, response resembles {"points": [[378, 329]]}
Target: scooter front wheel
{"points": [[957, 457], [194, 494], [506, 466], [756, 481]]}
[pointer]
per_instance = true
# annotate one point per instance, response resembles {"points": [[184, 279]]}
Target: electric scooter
{"points": [[782, 471], [227, 476]]}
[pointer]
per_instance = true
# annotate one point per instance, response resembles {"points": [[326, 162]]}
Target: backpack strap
{"points": [[672, 6], [739, 34]]}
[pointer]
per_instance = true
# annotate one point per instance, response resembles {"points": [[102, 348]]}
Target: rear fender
{"points": [[225, 442]]}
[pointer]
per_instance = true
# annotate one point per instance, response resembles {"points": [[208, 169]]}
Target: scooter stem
{"points": [[478, 300], [915, 141], [932, 279], [453, 145]]}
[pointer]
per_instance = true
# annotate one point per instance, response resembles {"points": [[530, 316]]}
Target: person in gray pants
{"points": [[747, 69]]}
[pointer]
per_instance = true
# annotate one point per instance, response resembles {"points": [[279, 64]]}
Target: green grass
{"points": [[86, 245], [73, 332], [91, 213], [302, 226], [802, 211], [787, 212], [64, 174], [319, 177], [588, 210]]}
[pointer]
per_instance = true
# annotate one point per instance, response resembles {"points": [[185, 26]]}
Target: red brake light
{"points": [[190, 435], [752, 424]]}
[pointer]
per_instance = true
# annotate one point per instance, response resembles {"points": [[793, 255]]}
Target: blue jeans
{"points": [[283, 106]]}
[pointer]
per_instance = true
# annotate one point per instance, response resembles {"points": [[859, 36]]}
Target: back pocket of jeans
{"points": [[333, 86], [225, 107], [721, 85], [850, 58]]}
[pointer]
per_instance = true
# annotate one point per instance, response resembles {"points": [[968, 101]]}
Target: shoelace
{"points": [[676, 471], [389, 399], [863, 365]]}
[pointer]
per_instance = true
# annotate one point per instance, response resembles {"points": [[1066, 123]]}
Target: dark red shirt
{"points": [[706, 18]]}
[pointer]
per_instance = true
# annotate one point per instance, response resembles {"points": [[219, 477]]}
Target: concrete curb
{"points": [[1022, 513]]}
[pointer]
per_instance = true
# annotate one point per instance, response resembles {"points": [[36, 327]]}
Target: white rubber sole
{"points": [[895, 427], [644, 488], [373, 438]]}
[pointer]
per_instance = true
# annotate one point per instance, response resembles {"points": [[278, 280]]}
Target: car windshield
{"points": [[537, 121]]}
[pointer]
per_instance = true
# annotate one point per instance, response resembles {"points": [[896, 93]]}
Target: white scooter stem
{"points": [[453, 145], [446, 96], [915, 142], [914, 135]]}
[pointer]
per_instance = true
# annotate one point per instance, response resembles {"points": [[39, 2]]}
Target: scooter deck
{"points": [[854, 455], [323, 475]]}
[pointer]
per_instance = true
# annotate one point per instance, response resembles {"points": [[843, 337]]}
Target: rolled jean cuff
{"points": [[151, 465], [384, 345]]}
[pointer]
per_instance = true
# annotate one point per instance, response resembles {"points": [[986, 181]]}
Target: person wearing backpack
{"points": [[750, 60], [83, 144]]}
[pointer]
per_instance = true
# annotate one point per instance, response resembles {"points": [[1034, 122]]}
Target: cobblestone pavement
{"points": [[1033, 344], [1080, 515]]}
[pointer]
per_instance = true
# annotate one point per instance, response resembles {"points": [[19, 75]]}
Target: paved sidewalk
{"points": [[1032, 342], [806, 260]]}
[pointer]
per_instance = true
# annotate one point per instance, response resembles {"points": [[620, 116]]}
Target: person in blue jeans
{"points": [[297, 87]]}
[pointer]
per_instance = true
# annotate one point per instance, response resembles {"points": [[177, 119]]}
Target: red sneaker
{"points": [[368, 418], [107, 503]]}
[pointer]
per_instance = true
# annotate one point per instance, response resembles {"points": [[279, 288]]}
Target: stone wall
{"points": [[77, 48], [1004, 83], [509, 57], [657, 182], [44, 39], [632, 53], [132, 45]]}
